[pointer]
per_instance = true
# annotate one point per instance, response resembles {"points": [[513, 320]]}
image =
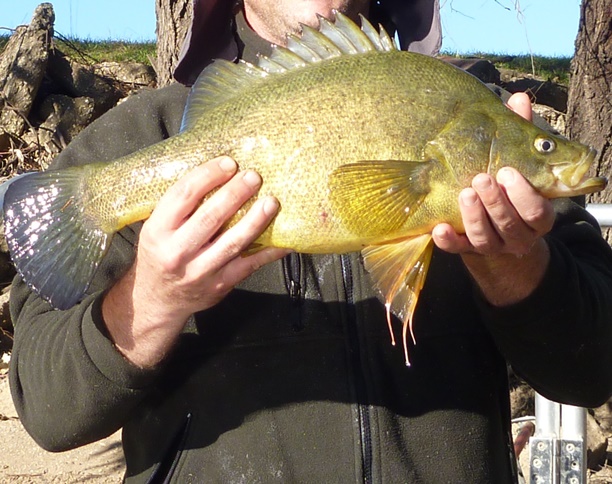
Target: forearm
{"points": [[69, 384], [141, 330], [558, 337], [183, 265], [506, 279]]}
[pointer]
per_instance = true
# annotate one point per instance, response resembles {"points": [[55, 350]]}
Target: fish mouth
{"points": [[572, 179]]}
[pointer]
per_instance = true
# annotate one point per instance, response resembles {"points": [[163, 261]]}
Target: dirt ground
{"points": [[23, 461]]}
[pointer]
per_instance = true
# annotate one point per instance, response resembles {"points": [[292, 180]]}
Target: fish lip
{"points": [[572, 179]]}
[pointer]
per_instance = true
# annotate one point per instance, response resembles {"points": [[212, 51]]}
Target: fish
{"points": [[365, 146]]}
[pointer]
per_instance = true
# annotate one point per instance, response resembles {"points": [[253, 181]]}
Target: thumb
{"points": [[520, 103]]}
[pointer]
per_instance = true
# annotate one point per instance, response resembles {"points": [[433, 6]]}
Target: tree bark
{"points": [[590, 94], [22, 67], [173, 20]]}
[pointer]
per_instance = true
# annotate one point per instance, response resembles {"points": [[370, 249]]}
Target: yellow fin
{"points": [[377, 197], [223, 80], [399, 271]]}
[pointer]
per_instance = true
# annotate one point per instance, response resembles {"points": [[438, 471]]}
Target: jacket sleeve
{"points": [[69, 384], [560, 338]]}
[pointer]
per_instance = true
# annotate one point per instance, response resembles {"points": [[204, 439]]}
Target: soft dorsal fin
{"points": [[222, 80], [218, 82]]}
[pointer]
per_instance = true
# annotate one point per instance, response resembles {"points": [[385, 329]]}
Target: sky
{"points": [[542, 27]]}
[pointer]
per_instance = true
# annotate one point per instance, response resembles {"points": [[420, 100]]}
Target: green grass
{"points": [[552, 68], [89, 51], [93, 51], [107, 50]]}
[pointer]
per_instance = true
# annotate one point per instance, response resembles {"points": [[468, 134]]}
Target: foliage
{"points": [[108, 50], [93, 51], [551, 68]]}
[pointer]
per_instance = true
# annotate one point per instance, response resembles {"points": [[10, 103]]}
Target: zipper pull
{"points": [[292, 270]]}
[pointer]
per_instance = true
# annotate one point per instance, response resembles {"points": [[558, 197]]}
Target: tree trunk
{"points": [[173, 20], [590, 94]]}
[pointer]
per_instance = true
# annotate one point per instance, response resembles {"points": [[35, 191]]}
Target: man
{"points": [[278, 367]]}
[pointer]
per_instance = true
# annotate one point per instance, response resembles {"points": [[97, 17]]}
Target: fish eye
{"points": [[545, 145]]}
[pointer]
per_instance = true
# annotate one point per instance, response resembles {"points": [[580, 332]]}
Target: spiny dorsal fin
{"points": [[222, 80], [333, 39]]}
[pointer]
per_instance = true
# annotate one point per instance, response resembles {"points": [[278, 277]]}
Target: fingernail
{"points": [[505, 176], [468, 197], [270, 206], [252, 179], [482, 182], [227, 164]]}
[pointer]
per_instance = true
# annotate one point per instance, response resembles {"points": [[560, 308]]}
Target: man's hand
{"points": [[182, 264], [504, 219]]}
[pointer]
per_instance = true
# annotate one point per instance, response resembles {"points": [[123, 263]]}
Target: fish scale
{"points": [[366, 148]]}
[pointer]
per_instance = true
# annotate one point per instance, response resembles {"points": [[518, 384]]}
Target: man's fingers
{"points": [[210, 216], [445, 238], [520, 103], [478, 204], [506, 215], [242, 267], [535, 212], [182, 198], [234, 241]]}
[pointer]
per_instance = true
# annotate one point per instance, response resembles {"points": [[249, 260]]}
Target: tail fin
{"points": [[4, 187], [55, 245]]}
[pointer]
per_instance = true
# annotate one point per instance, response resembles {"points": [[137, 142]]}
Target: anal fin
{"points": [[399, 270]]}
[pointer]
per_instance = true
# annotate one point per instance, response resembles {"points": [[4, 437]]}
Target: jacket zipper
{"points": [[365, 428], [292, 271], [164, 470]]}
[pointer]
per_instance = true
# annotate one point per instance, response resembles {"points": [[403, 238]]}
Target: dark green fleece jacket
{"points": [[292, 377]]}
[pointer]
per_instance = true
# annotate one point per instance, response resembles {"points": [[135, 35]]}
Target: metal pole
{"points": [[572, 452], [549, 416], [543, 445], [558, 447], [602, 212]]}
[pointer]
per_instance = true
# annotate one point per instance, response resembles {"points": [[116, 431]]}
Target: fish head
{"points": [[555, 166]]}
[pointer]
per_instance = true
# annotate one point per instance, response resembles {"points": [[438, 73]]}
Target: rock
{"points": [[22, 67], [603, 415], [64, 117], [77, 80], [7, 270], [541, 92], [481, 68], [597, 443], [127, 72], [6, 324], [522, 397], [553, 117], [604, 476], [5, 318]]}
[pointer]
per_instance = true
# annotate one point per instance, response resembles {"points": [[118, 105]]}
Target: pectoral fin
{"points": [[399, 271], [377, 197]]}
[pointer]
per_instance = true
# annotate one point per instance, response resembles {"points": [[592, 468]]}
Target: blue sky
{"points": [[545, 27]]}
